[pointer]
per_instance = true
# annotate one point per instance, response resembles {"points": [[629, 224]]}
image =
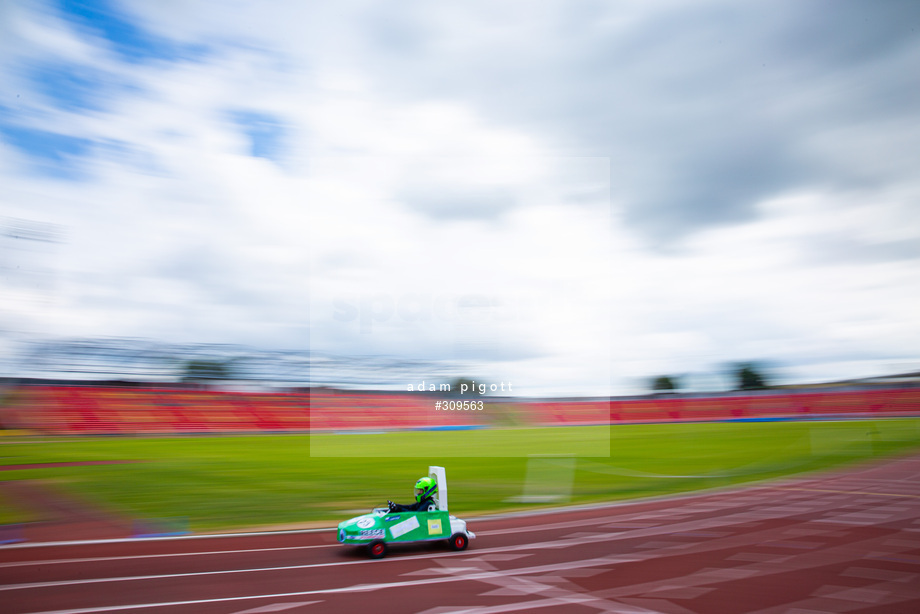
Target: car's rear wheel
{"points": [[458, 541], [377, 549]]}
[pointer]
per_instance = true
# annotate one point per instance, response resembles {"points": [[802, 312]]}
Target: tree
{"points": [[749, 376], [201, 369], [664, 383]]}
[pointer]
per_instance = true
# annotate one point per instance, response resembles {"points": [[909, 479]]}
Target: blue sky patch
{"points": [[51, 153], [74, 87], [132, 42], [266, 134]]}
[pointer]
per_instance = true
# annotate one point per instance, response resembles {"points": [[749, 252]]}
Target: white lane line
{"points": [[561, 543], [537, 528], [585, 600], [277, 607], [547, 527], [13, 587], [366, 588], [851, 492], [722, 522], [530, 529], [373, 587], [156, 556], [159, 538], [515, 607], [553, 594]]}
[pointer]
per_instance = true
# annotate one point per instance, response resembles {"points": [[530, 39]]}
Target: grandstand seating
{"points": [[105, 410]]}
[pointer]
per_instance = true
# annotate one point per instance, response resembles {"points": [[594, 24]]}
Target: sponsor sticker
{"points": [[365, 523], [391, 518], [401, 528], [373, 534], [434, 526]]}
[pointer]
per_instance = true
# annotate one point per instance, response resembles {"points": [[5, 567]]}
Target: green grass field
{"points": [[227, 482]]}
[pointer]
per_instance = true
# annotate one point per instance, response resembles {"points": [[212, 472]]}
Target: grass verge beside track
{"points": [[233, 482]]}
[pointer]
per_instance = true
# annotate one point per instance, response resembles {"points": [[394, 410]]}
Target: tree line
{"points": [[745, 376]]}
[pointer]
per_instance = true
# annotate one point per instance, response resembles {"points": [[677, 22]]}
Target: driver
{"points": [[425, 490]]}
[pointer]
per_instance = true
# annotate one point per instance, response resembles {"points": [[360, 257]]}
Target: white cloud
{"points": [[427, 202]]}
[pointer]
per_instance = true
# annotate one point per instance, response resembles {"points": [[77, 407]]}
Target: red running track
{"points": [[840, 542]]}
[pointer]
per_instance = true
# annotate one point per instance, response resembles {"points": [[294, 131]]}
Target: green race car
{"points": [[382, 526]]}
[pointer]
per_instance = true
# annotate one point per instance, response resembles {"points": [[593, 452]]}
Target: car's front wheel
{"points": [[377, 549]]}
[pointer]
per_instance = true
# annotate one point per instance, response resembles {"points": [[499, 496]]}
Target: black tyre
{"points": [[377, 549], [458, 541]]}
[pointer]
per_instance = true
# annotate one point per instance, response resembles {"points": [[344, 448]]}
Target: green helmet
{"points": [[424, 488]]}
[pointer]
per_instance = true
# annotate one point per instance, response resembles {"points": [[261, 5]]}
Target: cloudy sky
{"points": [[570, 196]]}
